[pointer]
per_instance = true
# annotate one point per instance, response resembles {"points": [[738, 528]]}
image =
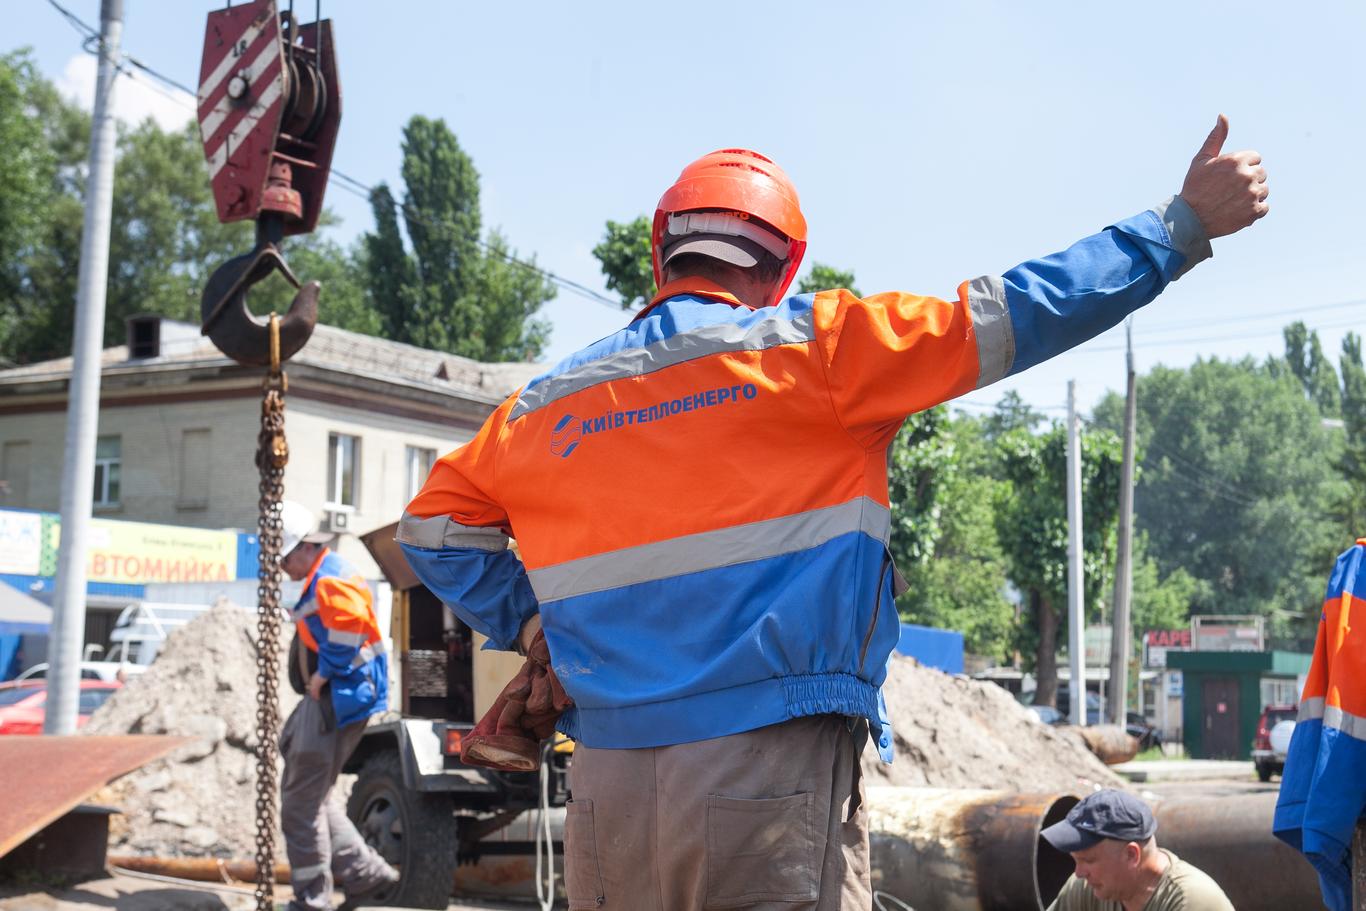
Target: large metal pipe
{"points": [[960, 850], [1111, 743], [1230, 839], [506, 867], [199, 869], [981, 850]]}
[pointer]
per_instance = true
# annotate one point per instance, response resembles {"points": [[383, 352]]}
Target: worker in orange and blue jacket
{"points": [[700, 503], [1323, 788], [337, 662]]}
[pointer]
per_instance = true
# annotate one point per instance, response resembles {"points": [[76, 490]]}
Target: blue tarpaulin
{"points": [[937, 648]]}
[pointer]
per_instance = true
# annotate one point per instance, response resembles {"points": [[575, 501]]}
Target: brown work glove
{"points": [[509, 735]]}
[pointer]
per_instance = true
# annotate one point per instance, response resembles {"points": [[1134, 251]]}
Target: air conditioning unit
{"points": [[336, 521]]}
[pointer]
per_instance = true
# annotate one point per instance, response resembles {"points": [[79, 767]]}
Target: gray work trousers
{"points": [[322, 844], [767, 820]]}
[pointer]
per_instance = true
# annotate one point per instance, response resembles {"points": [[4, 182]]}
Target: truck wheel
{"points": [[1263, 771], [415, 832]]}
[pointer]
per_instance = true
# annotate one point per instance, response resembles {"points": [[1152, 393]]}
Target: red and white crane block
{"points": [[269, 109]]}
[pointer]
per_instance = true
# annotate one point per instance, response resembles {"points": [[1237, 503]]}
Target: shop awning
{"points": [[22, 615]]}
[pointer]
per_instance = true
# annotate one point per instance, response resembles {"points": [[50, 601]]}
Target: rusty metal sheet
{"points": [[46, 776]]}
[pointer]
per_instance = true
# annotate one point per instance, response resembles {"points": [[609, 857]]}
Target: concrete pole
{"points": [[83, 399], [1076, 642], [1121, 641]]}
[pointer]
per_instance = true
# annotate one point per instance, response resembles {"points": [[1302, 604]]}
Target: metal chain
{"points": [[272, 452]]}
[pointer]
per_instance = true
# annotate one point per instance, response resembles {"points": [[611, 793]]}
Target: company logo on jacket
{"points": [[569, 430]]}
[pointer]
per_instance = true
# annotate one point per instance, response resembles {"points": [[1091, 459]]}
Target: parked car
{"points": [[1137, 726], [107, 671], [1268, 752], [23, 704], [1046, 714], [1148, 736]]}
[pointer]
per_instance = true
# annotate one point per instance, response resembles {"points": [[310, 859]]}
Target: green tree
{"points": [[454, 292], [1352, 506], [1238, 476], [953, 564], [44, 140], [1031, 524], [1012, 413], [1305, 358], [624, 255], [165, 238], [824, 278]]}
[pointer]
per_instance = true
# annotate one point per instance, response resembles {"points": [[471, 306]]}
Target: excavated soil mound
{"points": [[199, 801], [952, 732]]}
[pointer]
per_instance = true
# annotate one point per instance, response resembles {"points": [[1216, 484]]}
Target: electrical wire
{"points": [[345, 181], [360, 188], [879, 896], [545, 886]]}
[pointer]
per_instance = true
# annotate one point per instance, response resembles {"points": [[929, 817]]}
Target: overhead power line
{"points": [[345, 181], [357, 187]]}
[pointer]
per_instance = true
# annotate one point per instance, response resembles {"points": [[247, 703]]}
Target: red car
{"points": [[1268, 751], [22, 704]]}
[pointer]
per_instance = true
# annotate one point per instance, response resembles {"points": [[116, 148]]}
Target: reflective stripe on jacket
{"points": [[1323, 787], [336, 620], [700, 499]]}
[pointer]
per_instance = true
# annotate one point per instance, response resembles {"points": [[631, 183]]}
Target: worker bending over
{"points": [[337, 660], [700, 501]]}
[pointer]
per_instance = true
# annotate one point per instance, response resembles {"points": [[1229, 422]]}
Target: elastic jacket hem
{"points": [[703, 716]]}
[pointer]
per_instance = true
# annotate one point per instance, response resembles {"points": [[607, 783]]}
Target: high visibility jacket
{"points": [[1323, 789], [336, 621], [700, 499]]}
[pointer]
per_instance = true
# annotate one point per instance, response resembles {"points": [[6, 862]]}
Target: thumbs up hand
{"points": [[1227, 190]]}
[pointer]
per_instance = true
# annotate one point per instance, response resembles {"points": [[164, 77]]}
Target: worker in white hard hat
{"points": [[337, 662]]}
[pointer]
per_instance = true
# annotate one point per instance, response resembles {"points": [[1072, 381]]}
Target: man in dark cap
{"points": [[1111, 836]]}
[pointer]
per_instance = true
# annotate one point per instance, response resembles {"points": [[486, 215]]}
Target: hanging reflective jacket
{"points": [[700, 499], [1323, 788], [336, 622]]}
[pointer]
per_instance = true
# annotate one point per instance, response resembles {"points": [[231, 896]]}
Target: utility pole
{"points": [[1121, 638], [1076, 627], [83, 399]]}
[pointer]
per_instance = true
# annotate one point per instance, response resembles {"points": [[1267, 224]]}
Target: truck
{"points": [[413, 800]]}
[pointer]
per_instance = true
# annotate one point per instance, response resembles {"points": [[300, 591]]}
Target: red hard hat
{"points": [[742, 182]]}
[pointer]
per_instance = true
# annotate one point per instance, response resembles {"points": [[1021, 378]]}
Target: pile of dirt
{"points": [[952, 732], [200, 800]]}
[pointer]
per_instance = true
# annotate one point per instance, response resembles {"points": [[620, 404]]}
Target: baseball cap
{"points": [[1105, 814], [298, 524]]}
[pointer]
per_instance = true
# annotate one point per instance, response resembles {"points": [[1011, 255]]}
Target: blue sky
{"points": [[930, 142]]}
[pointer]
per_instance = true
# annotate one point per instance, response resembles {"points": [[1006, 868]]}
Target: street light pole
{"points": [[83, 400], [1076, 647]]}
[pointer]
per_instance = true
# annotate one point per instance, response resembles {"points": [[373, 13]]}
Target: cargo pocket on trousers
{"points": [[582, 876], [760, 851]]}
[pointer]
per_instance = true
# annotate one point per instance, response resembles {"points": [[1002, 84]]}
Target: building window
{"points": [[108, 459], [195, 464], [420, 463], [14, 469], [343, 460]]}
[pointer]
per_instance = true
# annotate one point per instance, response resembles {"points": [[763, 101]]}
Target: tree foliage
{"points": [[624, 255], [943, 537], [454, 291], [1307, 362], [1031, 524], [1237, 480], [824, 278], [165, 239]]}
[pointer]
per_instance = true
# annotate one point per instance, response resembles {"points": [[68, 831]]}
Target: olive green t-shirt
{"points": [[1181, 888]]}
